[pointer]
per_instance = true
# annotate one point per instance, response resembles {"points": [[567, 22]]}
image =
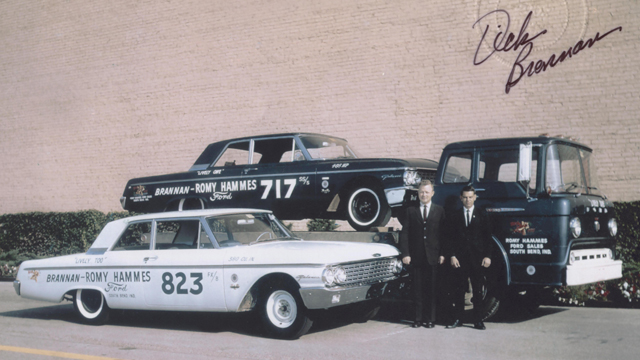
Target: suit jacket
{"points": [[473, 242], [413, 231]]}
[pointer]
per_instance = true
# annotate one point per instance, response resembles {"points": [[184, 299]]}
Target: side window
{"points": [[272, 151], [234, 154], [136, 237], [180, 234], [502, 166], [458, 168], [294, 154]]}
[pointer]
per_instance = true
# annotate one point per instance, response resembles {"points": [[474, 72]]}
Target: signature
{"points": [[505, 41]]}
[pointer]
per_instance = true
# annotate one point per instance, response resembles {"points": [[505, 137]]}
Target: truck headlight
{"points": [[411, 178], [613, 226], [576, 227]]}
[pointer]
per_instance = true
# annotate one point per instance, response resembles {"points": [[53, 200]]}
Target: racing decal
{"points": [[325, 185], [89, 260], [55, 278], [170, 287], [175, 190], [212, 172], [140, 193], [224, 192], [521, 228], [304, 180], [528, 246], [34, 275], [268, 184]]}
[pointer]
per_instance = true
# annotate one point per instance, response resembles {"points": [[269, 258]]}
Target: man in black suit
{"points": [[420, 243], [469, 247]]}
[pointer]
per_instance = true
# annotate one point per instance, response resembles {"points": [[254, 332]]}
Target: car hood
{"points": [[307, 252]]}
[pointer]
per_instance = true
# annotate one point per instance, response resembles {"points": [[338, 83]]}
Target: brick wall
{"points": [[95, 93]]}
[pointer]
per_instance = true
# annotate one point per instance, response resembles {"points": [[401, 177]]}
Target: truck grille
{"points": [[369, 272], [427, 175]]}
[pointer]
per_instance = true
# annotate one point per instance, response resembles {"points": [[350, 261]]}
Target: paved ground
{"points": [[53, 332]]}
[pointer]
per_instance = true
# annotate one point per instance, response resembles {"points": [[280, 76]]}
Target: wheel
{"points": [[91, 306], [488, 306], [365, 210], [282, 312]]}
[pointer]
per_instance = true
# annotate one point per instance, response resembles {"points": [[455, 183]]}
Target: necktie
{"points": [[424, 213], [468, 217]]}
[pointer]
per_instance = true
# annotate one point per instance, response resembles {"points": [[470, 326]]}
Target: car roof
{"points": [[192, 213], [114, 228]]}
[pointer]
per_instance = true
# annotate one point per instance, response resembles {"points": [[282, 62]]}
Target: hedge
{"points": [[54, 233]]}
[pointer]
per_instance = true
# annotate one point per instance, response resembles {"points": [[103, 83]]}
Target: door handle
{"points": [[150, 258], [480, 189]]}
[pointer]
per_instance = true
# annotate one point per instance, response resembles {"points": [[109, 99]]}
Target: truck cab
{"points": [[552, 225]]}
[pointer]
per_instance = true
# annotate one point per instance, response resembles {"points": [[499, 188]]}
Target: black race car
{"points": [[297, 176]]}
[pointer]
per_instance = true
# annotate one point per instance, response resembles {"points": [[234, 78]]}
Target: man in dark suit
{"points": [[469, 247], [420, 244]]}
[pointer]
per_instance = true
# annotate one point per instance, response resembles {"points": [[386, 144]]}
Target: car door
{"points": [[221, 184], [285, 180], [184, 268]]}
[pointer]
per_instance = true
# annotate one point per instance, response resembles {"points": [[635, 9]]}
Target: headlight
{"points": [[610, 254], [397, 267], [328, 276], [411, 178], [572, 258], [613, 226], [340, 275], [576, 227]]}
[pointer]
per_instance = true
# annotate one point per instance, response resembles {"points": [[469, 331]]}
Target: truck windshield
{"points": [[325, 148], [571, 170]]}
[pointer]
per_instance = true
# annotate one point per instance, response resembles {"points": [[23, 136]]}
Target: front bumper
{"points": [[592, 267], [324, 298]]}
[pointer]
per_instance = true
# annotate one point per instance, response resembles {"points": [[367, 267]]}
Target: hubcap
{"points": [[281, 309]]}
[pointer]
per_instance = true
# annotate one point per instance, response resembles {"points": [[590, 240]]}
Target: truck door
{"points": [[497, 173]]}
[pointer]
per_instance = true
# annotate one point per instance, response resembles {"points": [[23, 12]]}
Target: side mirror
{"points": [[524, 166]]}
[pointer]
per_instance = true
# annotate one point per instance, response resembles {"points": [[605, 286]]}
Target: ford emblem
{"points": [[376, 255]]}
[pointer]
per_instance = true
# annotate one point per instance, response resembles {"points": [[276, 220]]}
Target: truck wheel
{"points": [[91, 306], [283, 313], [488, 306], [365, 209]]}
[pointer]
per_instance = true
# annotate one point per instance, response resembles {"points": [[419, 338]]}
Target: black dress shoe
{"points": [[416, 324], [429, 324], [479, 325], [454, 325]]}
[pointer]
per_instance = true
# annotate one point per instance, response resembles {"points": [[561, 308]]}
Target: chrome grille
{"points": [[369, 272]]}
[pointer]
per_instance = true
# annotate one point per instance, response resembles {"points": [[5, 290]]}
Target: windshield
{"points": [[326, 148], [245, 229], [571, 170]]}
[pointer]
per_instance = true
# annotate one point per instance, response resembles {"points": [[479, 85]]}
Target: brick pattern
{"points": [[95, 93]]}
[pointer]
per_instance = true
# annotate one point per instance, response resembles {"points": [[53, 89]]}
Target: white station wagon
{"points": [[217, 260]]}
